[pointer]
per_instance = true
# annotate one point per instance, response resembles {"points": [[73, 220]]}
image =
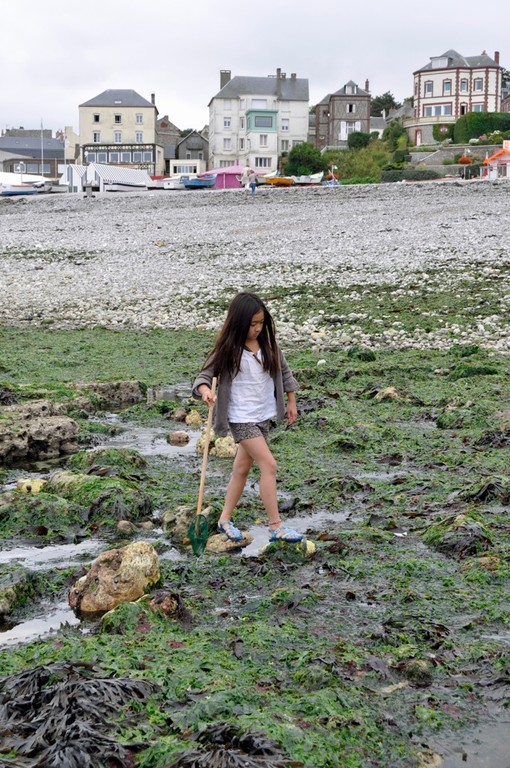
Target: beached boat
{"points": [[12, 190], [177, 182], [307, 181], [207, 181], [280, 181]]}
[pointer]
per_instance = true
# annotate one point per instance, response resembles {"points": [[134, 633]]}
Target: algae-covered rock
{"points": [[224, 447], [103, 500], [41, 515], [458, 535], [16, 587], [116, 576], [194, 419], [126, 462], [114, 394]]}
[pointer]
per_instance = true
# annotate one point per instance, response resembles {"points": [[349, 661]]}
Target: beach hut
{"points": [[229, 177], [497, 166]]}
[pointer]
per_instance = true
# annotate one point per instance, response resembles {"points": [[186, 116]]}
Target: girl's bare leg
{"points": [[257, 450], [241, 467]]}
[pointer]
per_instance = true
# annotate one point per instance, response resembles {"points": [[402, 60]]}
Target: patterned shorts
{"points": [[249, 430]]}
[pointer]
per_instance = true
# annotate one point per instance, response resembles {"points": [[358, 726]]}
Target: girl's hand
{"points": [[292, 413], [207, 396]]}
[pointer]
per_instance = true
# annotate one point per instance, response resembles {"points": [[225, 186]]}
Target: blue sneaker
{"points": [[231, 532]]}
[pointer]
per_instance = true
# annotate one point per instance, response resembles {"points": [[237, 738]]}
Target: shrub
{"points": [[443, 132], [410, 174], [477, 124], [358, 140], [361, 180], [464, 160]]}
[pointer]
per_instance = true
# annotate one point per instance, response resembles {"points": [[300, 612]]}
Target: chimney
{"points": [[153, 98], [496, 57], [224, 77], [292, 75], [278, 73], [367, 86]]}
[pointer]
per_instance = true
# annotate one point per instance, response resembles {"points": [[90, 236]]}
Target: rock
{"points": [[126, 526], [35, 430], [179, 414], [175, 522], [224, 447], [30, 485], [219, 542], [15, 587], [116, 576], [114, 394], [389, 393], [179, 437]]}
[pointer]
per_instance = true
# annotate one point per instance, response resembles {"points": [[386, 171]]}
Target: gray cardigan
{"points": [[284, 381]]}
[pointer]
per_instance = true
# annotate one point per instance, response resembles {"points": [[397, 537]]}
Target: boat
{"points": [[280, 181], [207, 181], [311, 180], [12, 190], [177, 182], [120, 187]]}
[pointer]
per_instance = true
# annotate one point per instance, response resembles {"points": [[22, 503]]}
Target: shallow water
{"points": [[148, 441], [487, 747], [32, 629]]}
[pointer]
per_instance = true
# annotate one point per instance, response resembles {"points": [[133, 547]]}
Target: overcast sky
{"points": [[56, 55]]}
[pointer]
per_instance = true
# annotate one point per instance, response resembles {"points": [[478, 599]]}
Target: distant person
{"points": [[252, 181], [254, 378]]}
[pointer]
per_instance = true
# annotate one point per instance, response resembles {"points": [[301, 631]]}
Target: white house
{"points": [[448, 87], [118, 127], [256, 120]]}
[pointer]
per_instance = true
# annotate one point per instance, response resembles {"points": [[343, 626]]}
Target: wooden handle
{"points": [[207, 435]]}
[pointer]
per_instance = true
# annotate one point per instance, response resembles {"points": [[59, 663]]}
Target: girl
{"points": [[253, 377]]}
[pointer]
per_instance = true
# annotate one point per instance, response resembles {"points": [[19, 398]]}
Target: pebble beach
{"points": [[164, 259]]}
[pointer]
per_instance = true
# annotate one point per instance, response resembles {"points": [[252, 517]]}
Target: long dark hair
{"points": [[225, 356]]}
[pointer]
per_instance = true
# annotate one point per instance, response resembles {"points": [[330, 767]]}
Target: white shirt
{"points": [[252, 397]]}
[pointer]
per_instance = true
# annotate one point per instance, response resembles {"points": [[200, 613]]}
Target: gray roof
{"points": [[455, 60], [351, 84], [31, 146], [117, 97], [286, 88]]}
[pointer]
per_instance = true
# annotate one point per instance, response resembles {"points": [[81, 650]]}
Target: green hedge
{"points": [[442, 135], [476, 124], [410, 174]]}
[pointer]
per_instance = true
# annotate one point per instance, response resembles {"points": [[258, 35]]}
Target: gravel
{"points": [[168, 259]]}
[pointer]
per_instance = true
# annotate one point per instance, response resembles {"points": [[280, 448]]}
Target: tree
{"points": [[358, 139], [303, 160], [386, 102], [392, 134]]}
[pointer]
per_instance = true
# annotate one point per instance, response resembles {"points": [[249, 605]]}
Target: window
{"points": [[227, 122], [188, 168], [117, 137], [242, 103], [227, 145], [351, 108], [241, 143], [477, 108], [96, 137], [225, 163], [429, 88], [284, 145], [188, 155], [90, 157], [117, 119], [478, 84], [464, 85], [114, 157], [296, 142], [241, 123], [200, 155], [436, 110], [139, 137], [285, 123], [259, 103], [102, 157], [147, 157], [95, 118], [447, 87], [263, 140], [263, 121], [139, 118], [263, 162], [125, 157], [137, 157]]}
